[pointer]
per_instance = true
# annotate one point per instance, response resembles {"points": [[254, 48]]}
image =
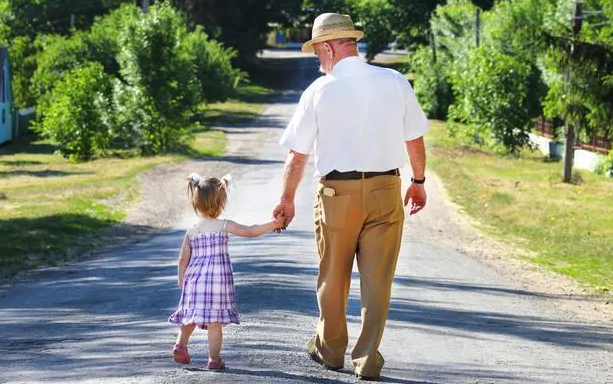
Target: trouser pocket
{"points": [[334, 210]]}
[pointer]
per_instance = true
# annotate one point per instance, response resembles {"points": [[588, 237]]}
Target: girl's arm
{"points": [[253, 230], [184, 256]]}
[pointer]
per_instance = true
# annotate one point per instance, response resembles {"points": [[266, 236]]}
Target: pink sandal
{"points": [[216, 365], [180, 354]]}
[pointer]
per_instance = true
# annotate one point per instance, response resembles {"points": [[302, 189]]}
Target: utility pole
{"points": [[145, 6], [569, 153], [477, 26]]}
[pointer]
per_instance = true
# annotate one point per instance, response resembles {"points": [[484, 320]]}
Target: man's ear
{"points": [[329, 48]]}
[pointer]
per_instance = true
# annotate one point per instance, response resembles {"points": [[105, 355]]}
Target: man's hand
{"points": [[285, 210], [416, 193], [279, 222]]}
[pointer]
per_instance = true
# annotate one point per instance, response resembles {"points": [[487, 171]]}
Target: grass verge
{"points": [[522, 201], [48, 204]]}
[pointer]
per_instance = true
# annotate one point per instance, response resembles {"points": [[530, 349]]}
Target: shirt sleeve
{"points": [[415, 121], [301, 131]]}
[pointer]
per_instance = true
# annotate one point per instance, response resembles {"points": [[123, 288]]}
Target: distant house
{"points": [[6, 99]]}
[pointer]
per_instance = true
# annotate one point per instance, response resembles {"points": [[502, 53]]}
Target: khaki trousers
{"points": [[364, 219]]}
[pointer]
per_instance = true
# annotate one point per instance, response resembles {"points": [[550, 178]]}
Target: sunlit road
{"points": [[452, 319]]}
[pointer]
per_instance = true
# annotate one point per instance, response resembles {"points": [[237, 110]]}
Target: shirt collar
{"points": [[347, 66]]}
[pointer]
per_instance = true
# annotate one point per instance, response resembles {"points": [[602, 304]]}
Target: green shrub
{"points": [[57, 55], [154, 66], [492, 98], [213, 66], [75, 120], [166, 74], [605, 166], [431, 86], [156, 75]]}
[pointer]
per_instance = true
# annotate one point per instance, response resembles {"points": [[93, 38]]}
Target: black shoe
{"points": [[312, 351], [367, 378]]}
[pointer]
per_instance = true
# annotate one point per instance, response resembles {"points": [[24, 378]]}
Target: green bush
{"points": [[606, 165], [57, 55], [103, 37], [157, 74], [154, 65], [212, 64], [75, 120], [432, 88], [492, 98]]}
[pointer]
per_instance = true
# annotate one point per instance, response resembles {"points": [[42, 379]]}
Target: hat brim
{"points": [[308, 46]]}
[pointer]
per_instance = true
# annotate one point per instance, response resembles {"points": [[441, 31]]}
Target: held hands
{"points": [[416, 193], [279, 223], [284, 212]]}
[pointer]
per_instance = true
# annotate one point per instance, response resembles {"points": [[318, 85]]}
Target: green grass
{"points": [[567, 227], [48, 204]]}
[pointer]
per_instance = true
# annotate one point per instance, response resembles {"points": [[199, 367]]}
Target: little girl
{"points": [[205, 271]]}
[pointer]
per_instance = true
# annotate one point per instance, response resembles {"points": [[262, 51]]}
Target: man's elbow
{"points": [[299, 157]]}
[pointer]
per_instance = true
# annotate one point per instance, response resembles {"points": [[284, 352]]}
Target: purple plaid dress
{"points": [[208, 287]]}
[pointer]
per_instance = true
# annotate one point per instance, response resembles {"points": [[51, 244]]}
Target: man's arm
{"points": [[416, 192], [295, 165], [417, 156]]}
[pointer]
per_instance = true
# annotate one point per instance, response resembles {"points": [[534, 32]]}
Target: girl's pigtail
{"points": [[226, 181], [193, 181]]}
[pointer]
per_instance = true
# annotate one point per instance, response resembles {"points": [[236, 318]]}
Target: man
{"points": [[361, 120]]}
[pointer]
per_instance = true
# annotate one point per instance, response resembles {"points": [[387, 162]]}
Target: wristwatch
{"points": [[418, 181]]}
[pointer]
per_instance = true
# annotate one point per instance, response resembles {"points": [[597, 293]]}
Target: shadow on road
{"points": [[287, 292]]}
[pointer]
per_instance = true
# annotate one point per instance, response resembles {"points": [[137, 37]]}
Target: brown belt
{"points": [[355, 175]]}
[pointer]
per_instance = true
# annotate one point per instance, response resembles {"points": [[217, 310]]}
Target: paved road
{"points": [[452, 319]]}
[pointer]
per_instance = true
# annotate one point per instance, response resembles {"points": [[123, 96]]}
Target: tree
{"points": [[492, 98], [6, 20], [57, 16], [241, 24], [411, 19], [578, 71], [375, 17]]}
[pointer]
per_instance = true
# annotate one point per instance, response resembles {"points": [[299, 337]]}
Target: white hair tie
{"points": [[227, 180], [194, 179]]}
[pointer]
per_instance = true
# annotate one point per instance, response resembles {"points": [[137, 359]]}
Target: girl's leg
{"points": [[184, 334], [215, 340]]}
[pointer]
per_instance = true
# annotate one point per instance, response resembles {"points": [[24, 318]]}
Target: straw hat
{"points": [[329, 26]]}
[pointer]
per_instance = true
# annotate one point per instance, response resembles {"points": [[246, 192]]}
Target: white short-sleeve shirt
{"points": [[356, 119]]}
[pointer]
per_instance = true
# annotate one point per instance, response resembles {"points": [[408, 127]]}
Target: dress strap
{"points": [[223, 228]]}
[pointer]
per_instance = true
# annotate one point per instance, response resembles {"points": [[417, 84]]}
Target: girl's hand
{"points": [[180, 282], [279, 223]]}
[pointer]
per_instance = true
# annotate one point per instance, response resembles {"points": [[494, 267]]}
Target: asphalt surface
{"points": [[452, 318]]}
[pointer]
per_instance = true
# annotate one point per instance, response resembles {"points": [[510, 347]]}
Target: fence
{"points": [[595, 143]]}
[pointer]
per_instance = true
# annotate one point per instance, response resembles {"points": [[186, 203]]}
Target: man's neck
{"points": [[344, 55]]}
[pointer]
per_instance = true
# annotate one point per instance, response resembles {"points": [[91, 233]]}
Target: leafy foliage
{"points": [[75, 118], [494, 98], [240, 24], [432, 88], [23, 65], [6, 19], [157, 74], [375, 16], [212, 64]]}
